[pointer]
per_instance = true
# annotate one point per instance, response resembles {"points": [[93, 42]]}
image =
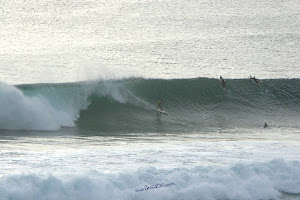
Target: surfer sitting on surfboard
{"points": [[159, 104]]}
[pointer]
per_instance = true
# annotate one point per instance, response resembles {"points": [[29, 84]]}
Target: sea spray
{"points": [[20, 112], [48, 107]]}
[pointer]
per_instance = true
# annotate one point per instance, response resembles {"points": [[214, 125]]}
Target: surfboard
{"points": [[162, 112]]}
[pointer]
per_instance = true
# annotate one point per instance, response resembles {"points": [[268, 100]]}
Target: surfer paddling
{"points": [[255, 80], [223, 82], [159, 104]]}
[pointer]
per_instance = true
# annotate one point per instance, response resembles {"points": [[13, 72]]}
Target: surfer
{"points": [[254, 79], [159, 104], [223, 82], [266, 125]]}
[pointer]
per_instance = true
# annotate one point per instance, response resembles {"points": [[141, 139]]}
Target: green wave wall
{"points": [[129, 105]]}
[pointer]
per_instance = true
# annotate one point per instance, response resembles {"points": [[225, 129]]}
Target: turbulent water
{"points": [[257, 181], [124, 149]]}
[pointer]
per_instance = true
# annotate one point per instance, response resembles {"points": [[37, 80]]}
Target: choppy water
{"points": [[96, 134], [157, 39]]}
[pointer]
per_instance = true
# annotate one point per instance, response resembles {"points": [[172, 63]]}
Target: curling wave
{"points": [[129, 105]]}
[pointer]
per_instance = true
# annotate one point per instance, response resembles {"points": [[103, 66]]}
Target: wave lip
{"points": [[242, 181], [20, 112]]}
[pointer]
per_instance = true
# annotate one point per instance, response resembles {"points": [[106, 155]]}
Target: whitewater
{"points": [[80, 82], [211, 146]]}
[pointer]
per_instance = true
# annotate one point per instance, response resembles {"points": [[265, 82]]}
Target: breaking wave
{"points": [[130, 104]]}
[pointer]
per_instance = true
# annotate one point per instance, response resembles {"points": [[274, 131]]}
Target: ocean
{"points": [[81, 81]]}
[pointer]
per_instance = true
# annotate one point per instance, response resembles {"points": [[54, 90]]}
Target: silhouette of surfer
{"points": [[255, 80], [223, 82], [159, 104], [266, 125]]}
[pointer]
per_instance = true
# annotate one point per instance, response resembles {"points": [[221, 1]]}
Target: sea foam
{"points": [[240, 181], [20, 112], [49, 107]]}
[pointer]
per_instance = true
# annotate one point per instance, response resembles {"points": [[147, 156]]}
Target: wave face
{"points": [[129, 105], [277, 179]]}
